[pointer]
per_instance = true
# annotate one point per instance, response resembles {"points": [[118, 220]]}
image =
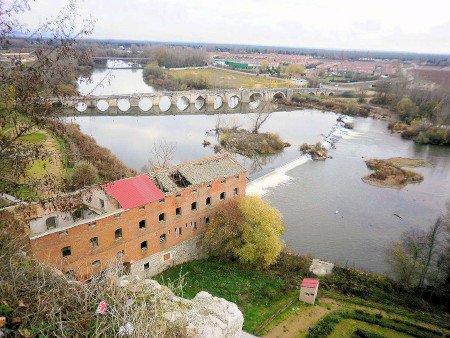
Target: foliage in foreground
{"points": [[247, 229]]}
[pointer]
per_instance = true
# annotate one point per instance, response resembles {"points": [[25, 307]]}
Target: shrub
{"points": [[407, 109], [247, 229], [367, 334], [325, 326], [84, 174]]}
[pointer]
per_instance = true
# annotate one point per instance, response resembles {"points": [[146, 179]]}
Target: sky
{"points": [[390, 25]]}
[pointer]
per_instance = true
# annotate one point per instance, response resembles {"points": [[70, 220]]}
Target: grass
{"points": [[218, 78], [347, 327], [257, 294], [35, 137]]}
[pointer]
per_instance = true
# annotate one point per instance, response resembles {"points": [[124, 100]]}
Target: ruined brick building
{"points": [[146, 222]]}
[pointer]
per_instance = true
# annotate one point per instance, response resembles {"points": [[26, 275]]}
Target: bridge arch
{"points": [[278, 96], [81, 106], [311, 93], [183, 103], [218, 102], [102, 105], [164, 103], [255, 100], [123, 104], [199, 102], [322, 94], [145, 104], [233, 101], [331, 94]]}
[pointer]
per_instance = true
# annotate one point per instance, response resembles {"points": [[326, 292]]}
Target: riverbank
{"points": [[269, 298]]}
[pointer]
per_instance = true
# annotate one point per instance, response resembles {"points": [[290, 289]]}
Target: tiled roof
{"points": [[198, 172], [134, 191], [310, 283]]}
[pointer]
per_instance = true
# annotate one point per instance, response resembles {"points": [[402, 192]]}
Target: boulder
{"points": [[203, 316]]}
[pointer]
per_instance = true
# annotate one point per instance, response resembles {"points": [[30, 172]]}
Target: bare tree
{"points": [[419, 258], [260, 117], [162, 154]]}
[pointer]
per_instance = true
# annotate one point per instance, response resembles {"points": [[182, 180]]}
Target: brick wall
{"points": [[188, 226]]}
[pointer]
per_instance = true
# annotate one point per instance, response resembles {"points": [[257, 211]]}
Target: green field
{"points": [[218, 78]]}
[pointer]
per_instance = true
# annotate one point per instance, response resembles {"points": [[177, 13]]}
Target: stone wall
{"points": [[181, 253]]}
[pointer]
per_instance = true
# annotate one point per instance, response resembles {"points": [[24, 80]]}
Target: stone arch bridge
{"points": [[187, 102]]}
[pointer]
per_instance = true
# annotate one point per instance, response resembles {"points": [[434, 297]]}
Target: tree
{"points": [[84, 174], [247, 229], [31, 95], [295, 68], [161, 155], [264, 66], [419, 259], [407, 109]]}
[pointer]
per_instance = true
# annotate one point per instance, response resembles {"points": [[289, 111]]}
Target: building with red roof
{"points": [[148, 222], [308, 290]]}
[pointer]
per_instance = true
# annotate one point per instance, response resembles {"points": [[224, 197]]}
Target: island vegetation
{"points": [[317, 151], [248, 144], [390, 174]]}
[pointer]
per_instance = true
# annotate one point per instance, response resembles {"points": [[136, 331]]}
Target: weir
{"points": [[193, 101]]}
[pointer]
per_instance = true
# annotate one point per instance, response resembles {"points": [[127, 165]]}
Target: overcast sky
{"points": [[398, 25]]}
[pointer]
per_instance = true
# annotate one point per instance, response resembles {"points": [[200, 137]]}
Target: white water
{"points": [[279, 176]]}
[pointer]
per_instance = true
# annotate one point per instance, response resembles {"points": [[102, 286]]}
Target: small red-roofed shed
{"points": [[308, 290], [134, 192]]}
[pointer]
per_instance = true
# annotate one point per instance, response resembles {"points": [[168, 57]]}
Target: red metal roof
{"points": [[134, 191], [310, 283]]}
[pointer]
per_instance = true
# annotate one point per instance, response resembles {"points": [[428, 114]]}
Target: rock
{"points": [[321, 268], [203, 316]]}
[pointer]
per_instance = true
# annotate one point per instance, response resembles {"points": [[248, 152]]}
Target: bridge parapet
{"points": [[170, 102]]}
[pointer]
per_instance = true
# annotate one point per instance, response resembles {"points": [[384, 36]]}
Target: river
{"points": [[328, 211]]}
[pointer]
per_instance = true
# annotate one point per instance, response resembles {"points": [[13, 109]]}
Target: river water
{"points": [[328, 211]]}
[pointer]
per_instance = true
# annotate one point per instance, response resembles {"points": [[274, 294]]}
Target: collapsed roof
{"points": [[196, 172]]}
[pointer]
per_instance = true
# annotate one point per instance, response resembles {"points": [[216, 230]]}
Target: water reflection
{"points": [[114, 81]]}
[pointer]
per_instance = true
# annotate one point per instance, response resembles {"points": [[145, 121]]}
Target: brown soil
{"points": [[389, 174]]}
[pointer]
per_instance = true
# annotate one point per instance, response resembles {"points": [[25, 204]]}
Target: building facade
{"points": [[147, 222]]}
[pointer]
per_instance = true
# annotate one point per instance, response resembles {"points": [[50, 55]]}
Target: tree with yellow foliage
{"points": [[295, 68], [247, 229]]}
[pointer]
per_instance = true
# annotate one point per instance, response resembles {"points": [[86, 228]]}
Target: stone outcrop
{"points": [[203, 316], [321, 268]]}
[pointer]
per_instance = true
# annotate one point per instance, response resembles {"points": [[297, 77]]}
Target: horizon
{"points": [[349, 25]]}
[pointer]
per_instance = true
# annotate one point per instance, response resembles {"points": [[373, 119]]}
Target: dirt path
{"points": [[295, 324]]}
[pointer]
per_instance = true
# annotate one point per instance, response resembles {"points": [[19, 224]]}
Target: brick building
{"points": [[146, 222]]}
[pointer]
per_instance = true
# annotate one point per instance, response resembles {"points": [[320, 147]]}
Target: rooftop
{"points": [[134, 191], [310, 283], [196, 172]]}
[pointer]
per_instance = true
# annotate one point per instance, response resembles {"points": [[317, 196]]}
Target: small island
{"points": [[390, 174], [317, 151], [247, 143]]}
